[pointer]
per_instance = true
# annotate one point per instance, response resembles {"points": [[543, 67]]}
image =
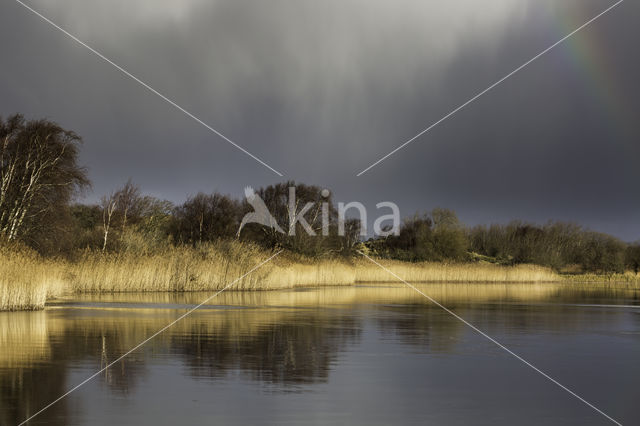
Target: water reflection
{"points": [[283, 339], [299, 348]]}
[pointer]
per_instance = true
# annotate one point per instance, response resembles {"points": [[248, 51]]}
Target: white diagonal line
{"points": [[500, 345], [145, 85], [136, 347], [490, 87]]}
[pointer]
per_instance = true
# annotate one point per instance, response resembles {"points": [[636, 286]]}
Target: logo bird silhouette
{"points": [[260, 213]]}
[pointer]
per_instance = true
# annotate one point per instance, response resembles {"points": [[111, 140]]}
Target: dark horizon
{"points": [[320, 92]]}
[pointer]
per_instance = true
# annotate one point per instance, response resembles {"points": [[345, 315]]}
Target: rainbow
{"points": [[594, 63]]}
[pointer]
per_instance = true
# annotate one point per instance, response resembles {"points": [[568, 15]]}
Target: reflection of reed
{"points": [[362, 293], [26, 348], [25, 338]]}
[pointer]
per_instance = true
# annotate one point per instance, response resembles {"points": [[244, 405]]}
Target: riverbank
{"points": [[28, 281]]}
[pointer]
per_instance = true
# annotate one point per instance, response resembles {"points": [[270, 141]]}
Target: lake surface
{"points": [[366, 355]]}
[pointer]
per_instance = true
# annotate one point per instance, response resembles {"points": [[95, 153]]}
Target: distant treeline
{"points": [[40, 177], [127, 220], [566, 247]]}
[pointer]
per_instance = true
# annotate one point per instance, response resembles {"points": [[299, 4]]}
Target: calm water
{"points": [[364, 355]]}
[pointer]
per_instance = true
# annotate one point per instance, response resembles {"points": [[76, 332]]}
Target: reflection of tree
{"points": [[26, 388], [423, 326], [289, 350], [98, 343], [298, 350], [23, 391]]}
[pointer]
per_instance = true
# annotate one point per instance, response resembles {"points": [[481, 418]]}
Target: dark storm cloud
{"points": [[544, 145], [320, 90]]}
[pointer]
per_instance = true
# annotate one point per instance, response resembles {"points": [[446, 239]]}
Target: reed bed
{"points": [[26, 280], [214, 266], [178, 269], [628, 278], [207, 267], [442, 272]]}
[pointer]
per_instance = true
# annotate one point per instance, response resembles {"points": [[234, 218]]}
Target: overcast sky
{"points": [[319, 90]]}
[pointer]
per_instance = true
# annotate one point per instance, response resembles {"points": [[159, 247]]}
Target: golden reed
{"points": [[27, 280]]}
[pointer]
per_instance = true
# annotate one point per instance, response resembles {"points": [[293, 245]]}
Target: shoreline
{"points": [[28, 281], [43, 304]]}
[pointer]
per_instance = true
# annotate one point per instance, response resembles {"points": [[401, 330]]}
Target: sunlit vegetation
{"points": [[211, 266], [454, 273], [130, 241], [628, 277], [27, 280]]}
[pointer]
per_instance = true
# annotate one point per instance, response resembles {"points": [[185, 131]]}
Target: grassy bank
{"points": [[27, 280]]}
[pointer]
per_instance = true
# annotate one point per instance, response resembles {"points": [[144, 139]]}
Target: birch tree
{"points": [[39, 173], [108, 203]]}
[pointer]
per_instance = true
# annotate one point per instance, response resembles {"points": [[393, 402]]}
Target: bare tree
{"points": [[108, 203], [129, 202]]}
